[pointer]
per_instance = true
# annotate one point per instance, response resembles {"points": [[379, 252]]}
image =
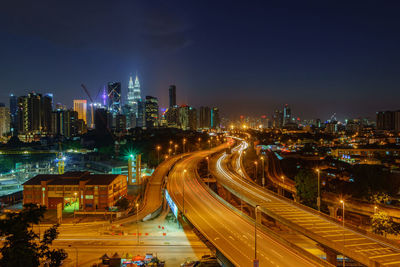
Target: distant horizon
{"points": [[321, 57]]}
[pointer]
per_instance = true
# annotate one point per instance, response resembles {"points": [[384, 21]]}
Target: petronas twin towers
{"points": [[134, 95]]}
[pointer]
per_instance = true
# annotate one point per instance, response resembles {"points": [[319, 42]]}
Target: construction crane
{"points": [[91, 104]]}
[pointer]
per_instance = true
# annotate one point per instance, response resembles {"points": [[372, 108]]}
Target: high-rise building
{"points": [[4, 120], [205, 118], [120, 123], [151, 112], [46, 110], [172, 96], [141, 118], [287, 115], [114, 97], [215, 119], [172, 117], [29, 113], [388, 120], [101, 120], [13, 113], [131, 93], [278, 119], [80, 106], [187, 118]]}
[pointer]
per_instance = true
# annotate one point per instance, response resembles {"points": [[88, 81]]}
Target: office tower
{"points": [[278, 119], [70, 123], [80, 106], [172, 117], [13, 113], [4, 120], [264, 122], [205, 118], [120, 123], [57, 122], [29, 113], [141, 117], [215, 119], [385, 120], [101, 117], [45, 112], [114, 97], [131, 94], [172, 96], [151, 113], [187, 118], [287, 115]]}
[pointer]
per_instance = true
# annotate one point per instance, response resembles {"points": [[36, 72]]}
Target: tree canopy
{"points": [[307, 187], [22, 246]]}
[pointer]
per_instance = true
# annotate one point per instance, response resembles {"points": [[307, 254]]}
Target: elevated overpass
{"points": [[231, 233], [366, 248]]}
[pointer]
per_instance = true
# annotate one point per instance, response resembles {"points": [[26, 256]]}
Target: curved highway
{"points": [[366, 249], [229, 232]]}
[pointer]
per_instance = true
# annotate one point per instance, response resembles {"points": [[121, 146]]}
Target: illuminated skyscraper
{"points": [[114, 97], [4, 120], [131, 93], [13, 113], [80, 106], [134, 95], [287, 115], [151, 113]]}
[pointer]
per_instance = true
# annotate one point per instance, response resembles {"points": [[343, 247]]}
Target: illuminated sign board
{"points": [[171, 204]]}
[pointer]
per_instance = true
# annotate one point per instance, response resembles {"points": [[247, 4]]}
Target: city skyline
{"points": [[321, 58]]}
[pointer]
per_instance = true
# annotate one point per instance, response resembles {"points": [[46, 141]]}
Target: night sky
{"points": [[246, 57]]}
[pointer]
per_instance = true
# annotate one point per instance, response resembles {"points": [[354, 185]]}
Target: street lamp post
{"points": [[255, 234], [158, 154], [263, 178], [255, 165], [375, 208], [137, 222], [319, 192], [176, 146], [169, 151], [208, 171], [344, 240], [183, 143]]}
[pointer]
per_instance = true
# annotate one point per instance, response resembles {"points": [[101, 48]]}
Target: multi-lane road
{"points": [[232, 234], [362, 247]]}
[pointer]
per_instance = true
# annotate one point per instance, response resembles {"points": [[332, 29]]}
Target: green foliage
{"points": [[122, 203], [21, 247], [383, 224], [371, 179], [307, 187], [379, 198]]}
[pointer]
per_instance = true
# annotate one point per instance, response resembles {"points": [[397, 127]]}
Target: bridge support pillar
{"points": [[333, 211], [281, 191], [331, 256]]}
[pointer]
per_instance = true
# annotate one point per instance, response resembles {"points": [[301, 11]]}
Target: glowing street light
{"points": [[344, 262], [255, 235], [137, 222], [263, 178], [176, 146], [375, 209], [256, 166], [158, 154]]}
